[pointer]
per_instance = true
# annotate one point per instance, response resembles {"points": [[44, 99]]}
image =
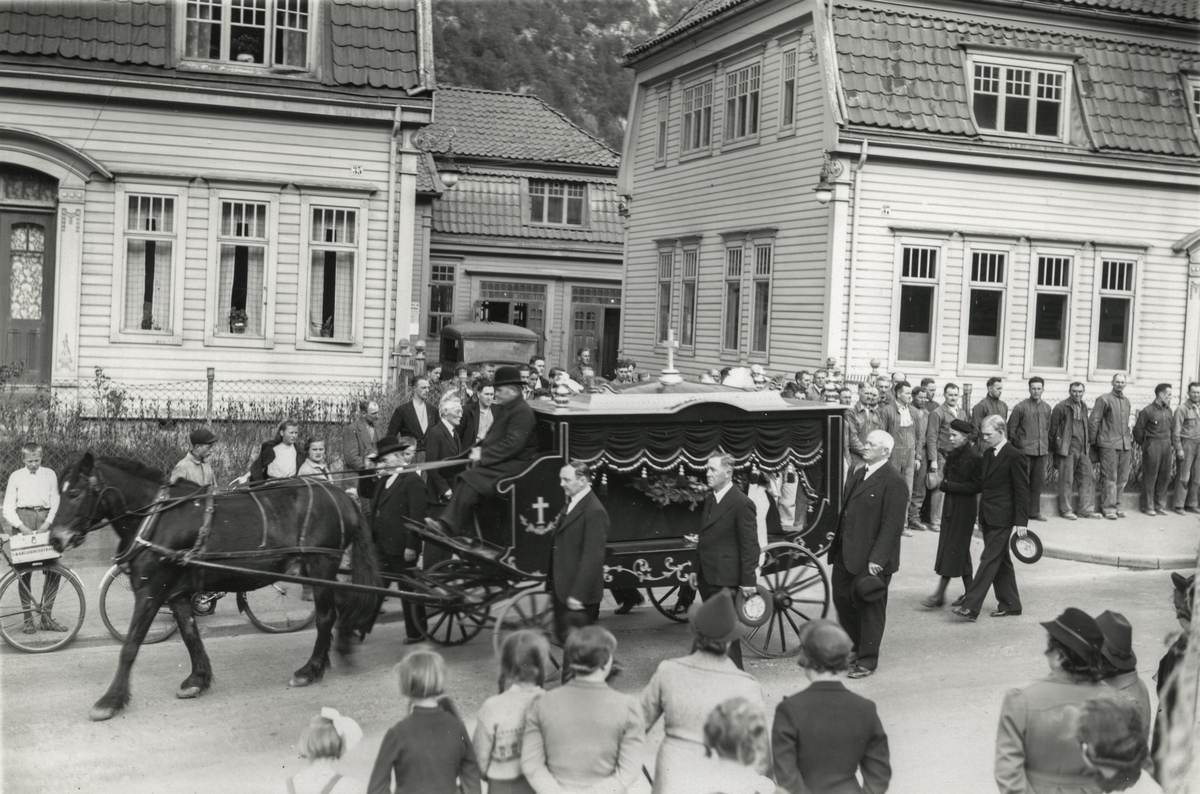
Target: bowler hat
{"points": [[868, 588], [1027, 549], [1118, 640], [824, 644], [1077, 630], [716, 619], [202, 435], [388, 444], [508, 376], [962, 427]]}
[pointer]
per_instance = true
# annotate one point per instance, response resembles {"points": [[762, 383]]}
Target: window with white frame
{"points": [[556, 203], [787, 91], [1050, 311], [271, 33], [666, 274], [918, 298], [986, 307], [687, 306], [242, 240], [660, 145], [741, 102], [1114, 325], [333, 268], [760, 316], [149, 250], [731, 336], [697, 117], [1019, 100], [441, 297], [1194, 91]]}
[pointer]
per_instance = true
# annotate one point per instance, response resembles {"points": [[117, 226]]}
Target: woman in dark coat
{"points": [[962, 481]]}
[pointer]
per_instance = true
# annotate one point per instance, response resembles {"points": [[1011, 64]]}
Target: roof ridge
{"points": [[487, 91]]}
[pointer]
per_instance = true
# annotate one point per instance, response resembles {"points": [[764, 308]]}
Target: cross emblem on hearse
{"points": [[540, 528], [540, 506]]}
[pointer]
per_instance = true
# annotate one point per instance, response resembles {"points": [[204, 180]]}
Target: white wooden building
{"points": [[1006, 189]]}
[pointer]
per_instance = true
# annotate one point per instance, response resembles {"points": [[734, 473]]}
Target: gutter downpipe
{"points": [[393, 145], [857, 182]]}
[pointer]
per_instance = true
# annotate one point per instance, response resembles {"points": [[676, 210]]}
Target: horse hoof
{"points": [[188, 692], [299, 682], [101, 713]]}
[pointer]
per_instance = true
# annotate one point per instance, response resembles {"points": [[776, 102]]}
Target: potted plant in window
{"points": [[237, 321], [247, 48], [327, 327]]}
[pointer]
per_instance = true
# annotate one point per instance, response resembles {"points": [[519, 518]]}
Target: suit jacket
{"points": [[871, 521], [470, 422], [440, 444], [389, 508], [507, 448], [1005, 498], [813, 752], [405, 422], [577, 552], [728, 549]]}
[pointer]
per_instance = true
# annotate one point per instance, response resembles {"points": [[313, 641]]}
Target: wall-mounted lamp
{"points": [[831, 169], [437, 143]]}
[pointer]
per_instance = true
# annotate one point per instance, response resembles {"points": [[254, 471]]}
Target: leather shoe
{"points": [[1192, 509], [958, 601], [1180, 511], [860, 672], [933, 603], [413, 640], [1093, 515], [50, 624], [963, 612], [906, 533], [1120, 514], [29, 628], [1070, 516], [1039, 518], [1004, 613], [1162, 511], [1111, 516]]}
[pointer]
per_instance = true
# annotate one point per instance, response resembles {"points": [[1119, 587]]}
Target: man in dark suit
{"points": [[727, 552], [576, 575], [398, 496], [506, 450], [415, 417], [1003, 505], [442, 442], [479, 415], [867, 543]]}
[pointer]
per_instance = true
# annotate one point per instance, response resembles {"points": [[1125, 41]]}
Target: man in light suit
{"points": [[727, 552], [576, 575], [1004, 504], [415, 417], [399, 496], [867, 543]]}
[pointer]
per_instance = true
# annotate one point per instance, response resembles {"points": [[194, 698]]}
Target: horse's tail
{"points": [[357, 610]]}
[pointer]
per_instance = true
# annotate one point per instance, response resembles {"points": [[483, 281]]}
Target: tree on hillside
{"points": [[566, 52]]}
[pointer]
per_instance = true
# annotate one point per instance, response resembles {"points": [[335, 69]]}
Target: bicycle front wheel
{"points": [[278, 608], [116, 609], [41, 610]]}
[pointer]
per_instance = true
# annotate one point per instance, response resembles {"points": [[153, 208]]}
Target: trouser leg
{"points": [[1110, 492], [904, 459], [1124, 459], [1037, 481], [414, 614], [1004, 584], [1162, 456], [1187, 484], [787, 499], [459, 514], [1087, 483], [842, 585], [995, 543], [1066, 484], [872, 619]]}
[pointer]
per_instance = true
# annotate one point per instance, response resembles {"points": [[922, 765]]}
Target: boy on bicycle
{"points": [[30, 502]]}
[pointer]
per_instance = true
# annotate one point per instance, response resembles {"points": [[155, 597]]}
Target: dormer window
{"points": [[271, 33], [1019, 99]]}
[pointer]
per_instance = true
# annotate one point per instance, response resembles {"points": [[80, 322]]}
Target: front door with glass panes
{"points": [[27, 293]]}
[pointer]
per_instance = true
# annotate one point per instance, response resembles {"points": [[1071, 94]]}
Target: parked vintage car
{"points": [[490, 343]]}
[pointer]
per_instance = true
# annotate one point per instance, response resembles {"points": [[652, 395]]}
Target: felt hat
{"points": [[716, 619], [388, 444], [1077, 630], [1118, 640], [756, 609], [868, 588], [1027, 549], [825, 644], [962, 426], [508, 376], [202, 435]]}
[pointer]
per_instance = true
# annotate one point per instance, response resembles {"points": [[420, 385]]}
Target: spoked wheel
{"points": [[116, 609], [799, 593], [458, 623], [278, 608], [45, 614], [529, 609], [666, 597]]}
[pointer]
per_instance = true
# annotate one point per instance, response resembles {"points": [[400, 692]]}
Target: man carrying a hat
{"points": [[195, 466], [508, 447]]}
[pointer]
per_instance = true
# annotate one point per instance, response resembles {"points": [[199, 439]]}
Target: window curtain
{"points": [[331, 295], [291, 48], [240, 285], [147, 286]]}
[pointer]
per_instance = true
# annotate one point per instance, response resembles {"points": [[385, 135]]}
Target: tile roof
{"points": [[372, 43], [1179, 9], [512, 127], [702, 10], [428, 182], [489, 203], [905, 71]]}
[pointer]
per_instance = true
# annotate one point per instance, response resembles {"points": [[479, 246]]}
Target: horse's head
{"points": [[80, 506]]}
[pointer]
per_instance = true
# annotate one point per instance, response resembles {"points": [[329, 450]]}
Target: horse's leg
{"points": [[148, 599], [201, 678], [314, 669]]}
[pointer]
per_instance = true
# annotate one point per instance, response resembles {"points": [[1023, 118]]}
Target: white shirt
{"points": [[718, 495], [874, 467], [284, 464], [422, 414], [996, 449], [577, 498], [449, 426], [30, 489], [905, 415], [485, 422]]}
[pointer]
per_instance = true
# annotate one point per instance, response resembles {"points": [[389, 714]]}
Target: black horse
{"points": [[263, 528]]}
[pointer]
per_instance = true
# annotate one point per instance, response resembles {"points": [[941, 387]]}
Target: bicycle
{"points": [[38, 614], [278, 608]]}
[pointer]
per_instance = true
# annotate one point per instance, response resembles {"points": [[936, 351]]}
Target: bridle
{"points": [[97, 488]]}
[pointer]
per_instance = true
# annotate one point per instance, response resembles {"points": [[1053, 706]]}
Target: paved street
{"points": [[938, 690]]}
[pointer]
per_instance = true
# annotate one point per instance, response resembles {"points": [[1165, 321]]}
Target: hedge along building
{"points": [[1014, 189], [529, 233], [209, 183]]}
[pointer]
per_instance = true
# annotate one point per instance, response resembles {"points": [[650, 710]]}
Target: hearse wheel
{"points": [[665, 597], [799, 593], [458, 623]]}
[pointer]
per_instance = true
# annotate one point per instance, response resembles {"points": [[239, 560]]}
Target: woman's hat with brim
{"points": [[388, 444], [1027, 549], [868, 588], [1077, 630], [716, 619], [508, 376], [1118, 640]]}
